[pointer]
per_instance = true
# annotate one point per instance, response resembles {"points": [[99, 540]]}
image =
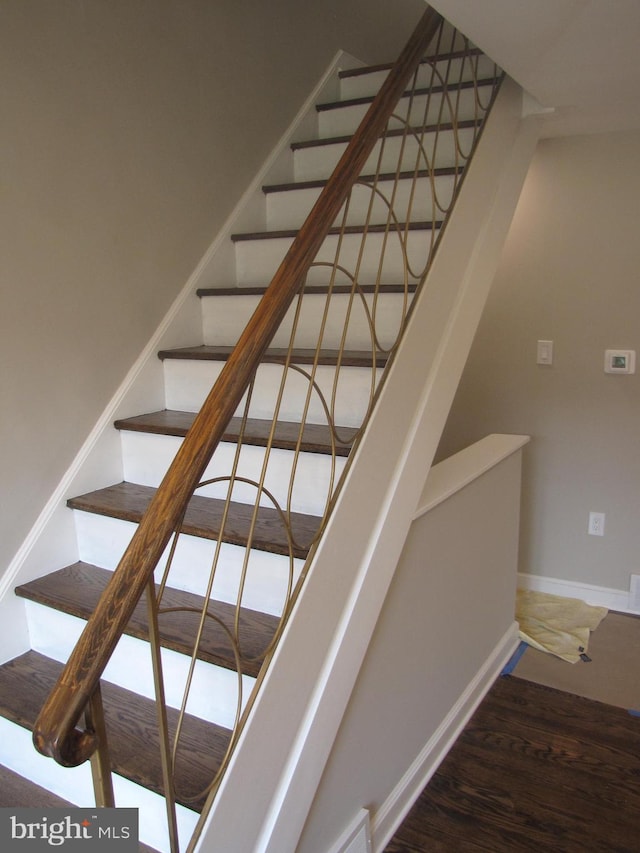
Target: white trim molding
{"points": [[599, 596], [356, 838]]}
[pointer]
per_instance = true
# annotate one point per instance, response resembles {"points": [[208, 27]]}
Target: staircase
{"points": [[285, 527]]}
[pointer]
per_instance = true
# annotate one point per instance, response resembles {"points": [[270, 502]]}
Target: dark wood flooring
{"points": [[536, 769]]}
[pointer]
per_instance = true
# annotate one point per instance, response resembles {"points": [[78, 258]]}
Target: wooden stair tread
{"points": [[387, 66], [18, 792], [278, 355], [76, 590], [425, 90], [310, 289], [390, 133], [128, 501], [316, 438], [392, 227], [383, 176], [26, 681]]}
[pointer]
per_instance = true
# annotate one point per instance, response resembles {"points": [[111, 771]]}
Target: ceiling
{"points": [[579, 57]]}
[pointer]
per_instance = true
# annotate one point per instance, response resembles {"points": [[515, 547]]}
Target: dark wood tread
{"points": [[426, 90], [76, 590], [429, 60], [310, 289], [443, 171], [128, 501], [131, 721], [316, 438], [278, 355], [290, 233], [417, 131], [18, 792]]}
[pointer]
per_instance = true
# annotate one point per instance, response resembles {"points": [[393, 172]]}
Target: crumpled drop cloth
{"points": [[558, 625]]}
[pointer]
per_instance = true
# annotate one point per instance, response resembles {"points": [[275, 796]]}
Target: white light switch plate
{"points": [[545, 352]]}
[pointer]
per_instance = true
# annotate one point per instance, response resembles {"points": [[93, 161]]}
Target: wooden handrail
{"points": [[56, 731]]}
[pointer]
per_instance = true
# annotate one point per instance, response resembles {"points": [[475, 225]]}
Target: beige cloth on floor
{"points": [[558, 625]]}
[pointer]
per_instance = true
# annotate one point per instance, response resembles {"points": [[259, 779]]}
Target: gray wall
{"points": [[129, 130], [569, 274]]}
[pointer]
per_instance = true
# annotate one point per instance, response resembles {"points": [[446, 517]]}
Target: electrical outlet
{"points": [[596, 524]]}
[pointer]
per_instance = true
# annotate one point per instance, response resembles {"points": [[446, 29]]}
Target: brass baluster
{"points": [[100, 760], [161, 707]]}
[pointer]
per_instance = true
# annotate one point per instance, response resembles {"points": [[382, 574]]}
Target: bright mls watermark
{"points": [[72, 829]]}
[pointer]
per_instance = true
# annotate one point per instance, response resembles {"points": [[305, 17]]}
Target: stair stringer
{"points": [[282, 751]]}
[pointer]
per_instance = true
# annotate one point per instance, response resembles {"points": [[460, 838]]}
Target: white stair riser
{"points": [[74, 785], [103, 540], [187, 383], [214, 693], [147, 457], [433, 150], [224, 318], [424, 201], [368, 85], [381, 261], [458, 104]]}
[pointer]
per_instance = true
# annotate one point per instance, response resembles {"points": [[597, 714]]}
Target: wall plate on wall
{"points": [[544, 352], [620, 361]]}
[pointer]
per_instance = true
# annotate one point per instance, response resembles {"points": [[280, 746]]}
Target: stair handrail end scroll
{"points": [[57, 733]]}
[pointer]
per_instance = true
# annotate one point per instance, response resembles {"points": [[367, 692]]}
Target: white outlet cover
{"points": [[596, 523]]}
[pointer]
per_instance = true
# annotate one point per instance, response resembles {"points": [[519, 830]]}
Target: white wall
{"points": [[129, 130], [447, 624], [568, 274]]}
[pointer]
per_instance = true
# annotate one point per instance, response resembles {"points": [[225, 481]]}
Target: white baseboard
{"points": [[598, 596], [390, 815]]}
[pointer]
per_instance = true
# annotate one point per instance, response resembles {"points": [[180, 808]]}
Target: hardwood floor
{"points": [[535, 769]]}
